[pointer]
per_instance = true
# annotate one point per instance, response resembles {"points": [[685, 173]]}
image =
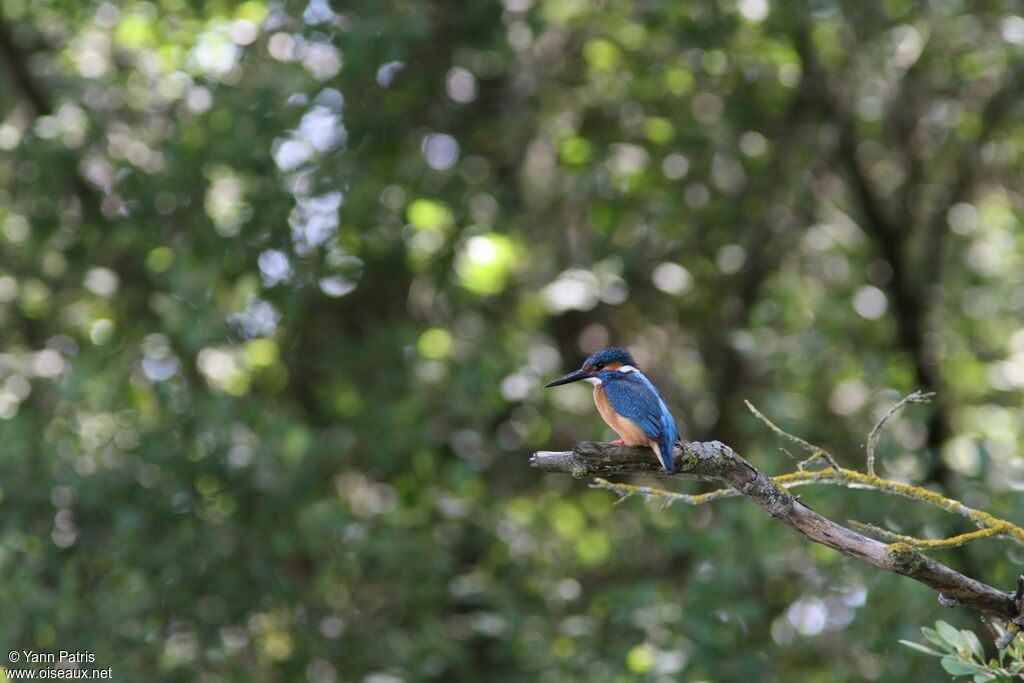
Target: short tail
{"points": [[664, 452]]}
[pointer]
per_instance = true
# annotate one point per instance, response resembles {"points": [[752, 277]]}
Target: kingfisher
{"points": [[628, 402]]}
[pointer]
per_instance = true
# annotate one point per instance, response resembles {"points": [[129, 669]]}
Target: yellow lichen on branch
{"points": [[925, 543], [855, 479], [988, 525]]}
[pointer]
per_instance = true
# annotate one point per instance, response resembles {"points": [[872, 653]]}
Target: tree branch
{"points": [[17, 65], [858, 480], [16, 61], [967, 166], [988, 525], [715, 462]]}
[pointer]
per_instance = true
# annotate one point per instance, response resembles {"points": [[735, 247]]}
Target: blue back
{"points": [[633, 396]]}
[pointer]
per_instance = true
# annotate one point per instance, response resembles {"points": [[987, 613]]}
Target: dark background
{"points": [[280, 284]]}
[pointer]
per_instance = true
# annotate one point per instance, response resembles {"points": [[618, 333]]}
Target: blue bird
{"points": [[628, 402]]}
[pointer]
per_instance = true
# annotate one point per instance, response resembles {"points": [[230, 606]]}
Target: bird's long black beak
{"points": [[571, 377]]}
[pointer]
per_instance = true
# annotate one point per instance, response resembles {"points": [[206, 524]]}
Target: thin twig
{"points": [[815, 451], [669, 497], [876, 432]]}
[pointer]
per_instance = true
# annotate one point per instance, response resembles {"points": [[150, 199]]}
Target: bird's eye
{"points": [[599, 366]]}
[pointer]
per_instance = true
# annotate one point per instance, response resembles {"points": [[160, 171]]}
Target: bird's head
{"points": [[602, 361]]}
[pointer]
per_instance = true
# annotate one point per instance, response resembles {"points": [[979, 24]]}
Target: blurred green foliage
{"points": [[280, 284]]}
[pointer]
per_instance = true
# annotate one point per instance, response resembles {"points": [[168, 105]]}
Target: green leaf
{"points": [[950, 634], [933, 635], [960, 667], [983, 678], [921, 648], [973, 644]]}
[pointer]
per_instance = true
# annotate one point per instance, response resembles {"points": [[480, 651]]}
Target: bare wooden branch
{"points": [[715, 462]]}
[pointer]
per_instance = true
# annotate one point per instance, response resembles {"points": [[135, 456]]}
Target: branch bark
{"points": [[713, 461]]}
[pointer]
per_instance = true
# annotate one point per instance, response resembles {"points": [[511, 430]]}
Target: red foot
{"points": [[620, 442]]}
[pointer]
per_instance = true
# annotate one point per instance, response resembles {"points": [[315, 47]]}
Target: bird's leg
{"points": [[621, 442]]}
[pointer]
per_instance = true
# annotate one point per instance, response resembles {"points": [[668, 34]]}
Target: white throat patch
{"points": [[596, 381]]}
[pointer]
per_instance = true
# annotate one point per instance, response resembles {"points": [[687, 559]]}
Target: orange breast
{"points": [[627, 430]]}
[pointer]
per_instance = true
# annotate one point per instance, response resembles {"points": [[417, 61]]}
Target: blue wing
{"points": [[633, 396]]}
